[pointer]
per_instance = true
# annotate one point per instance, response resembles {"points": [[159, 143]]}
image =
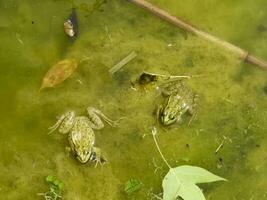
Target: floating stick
{"points": [[123, 62], [242, 54]]}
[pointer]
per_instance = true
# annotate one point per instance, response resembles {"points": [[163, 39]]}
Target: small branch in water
{"points": [[19, 38], [219, 147], [108, 33], [171, 77], [156, 196], [166, 76], [122, 63], [156, 166], [242, 54]]}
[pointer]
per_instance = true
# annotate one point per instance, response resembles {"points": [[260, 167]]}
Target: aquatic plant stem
{"points": [[154, 132], [241, 53]]}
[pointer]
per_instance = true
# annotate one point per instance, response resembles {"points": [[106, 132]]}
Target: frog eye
{"points": [[93, 156], [171, 117]]}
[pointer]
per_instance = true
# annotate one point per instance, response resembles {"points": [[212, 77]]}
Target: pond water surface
{"points": [[231, 106]]}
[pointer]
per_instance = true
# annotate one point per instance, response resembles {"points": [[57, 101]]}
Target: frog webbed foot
{"points": [[94, 115], [97, 157]]}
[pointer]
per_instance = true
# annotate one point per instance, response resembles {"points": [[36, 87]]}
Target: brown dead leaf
{"points": [[59, 72]]}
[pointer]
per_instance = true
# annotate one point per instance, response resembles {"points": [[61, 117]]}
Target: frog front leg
{"points": [[158, 114], [64, 123], [96, 123], [96, 156]]}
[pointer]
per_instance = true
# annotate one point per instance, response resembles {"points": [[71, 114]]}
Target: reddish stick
{"points": [[242, 54]]}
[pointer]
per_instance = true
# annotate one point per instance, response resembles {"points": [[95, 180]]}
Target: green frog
{"points": [[81, 135], [179, 100]]}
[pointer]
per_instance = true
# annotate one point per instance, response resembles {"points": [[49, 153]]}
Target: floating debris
{"points": [[219, 147], [18, 37], [108, 34], [123, 62], [71, 25], [147, 78], [58, 73]]}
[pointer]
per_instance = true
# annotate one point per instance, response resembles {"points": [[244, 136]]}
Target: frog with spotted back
{"points": [[179, 100], [81, 135]]}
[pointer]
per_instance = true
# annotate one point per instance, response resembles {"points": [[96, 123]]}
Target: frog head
{"points": [[169, 116], [173, 111], [83, 156]]}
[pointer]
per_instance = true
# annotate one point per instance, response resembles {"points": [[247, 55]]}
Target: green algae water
{"points": [[231, 106]]}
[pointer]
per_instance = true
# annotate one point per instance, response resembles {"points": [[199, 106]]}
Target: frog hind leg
{"points": [[94, 115], [66, 121], [97, 157], [57, 124]]}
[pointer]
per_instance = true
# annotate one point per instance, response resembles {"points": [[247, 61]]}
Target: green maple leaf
{"points": [[181, 182]]}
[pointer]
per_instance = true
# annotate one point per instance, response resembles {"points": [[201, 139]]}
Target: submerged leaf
{"points": [[55, 183], [59, 72], [180, 182], [132, 185]]}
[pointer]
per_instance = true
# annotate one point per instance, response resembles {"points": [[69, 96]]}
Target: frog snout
{"points": [[83, 158]]}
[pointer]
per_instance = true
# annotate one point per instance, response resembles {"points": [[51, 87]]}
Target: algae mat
{"points": [[231, 105]]}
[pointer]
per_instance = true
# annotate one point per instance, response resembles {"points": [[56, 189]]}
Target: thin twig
{"points": [[167, 76], [219, 147], [109, 35], [156, 166], [173, 77], [156, 196]]}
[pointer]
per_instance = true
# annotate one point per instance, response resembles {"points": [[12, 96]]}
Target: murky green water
{"points": [[231, 105]]}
